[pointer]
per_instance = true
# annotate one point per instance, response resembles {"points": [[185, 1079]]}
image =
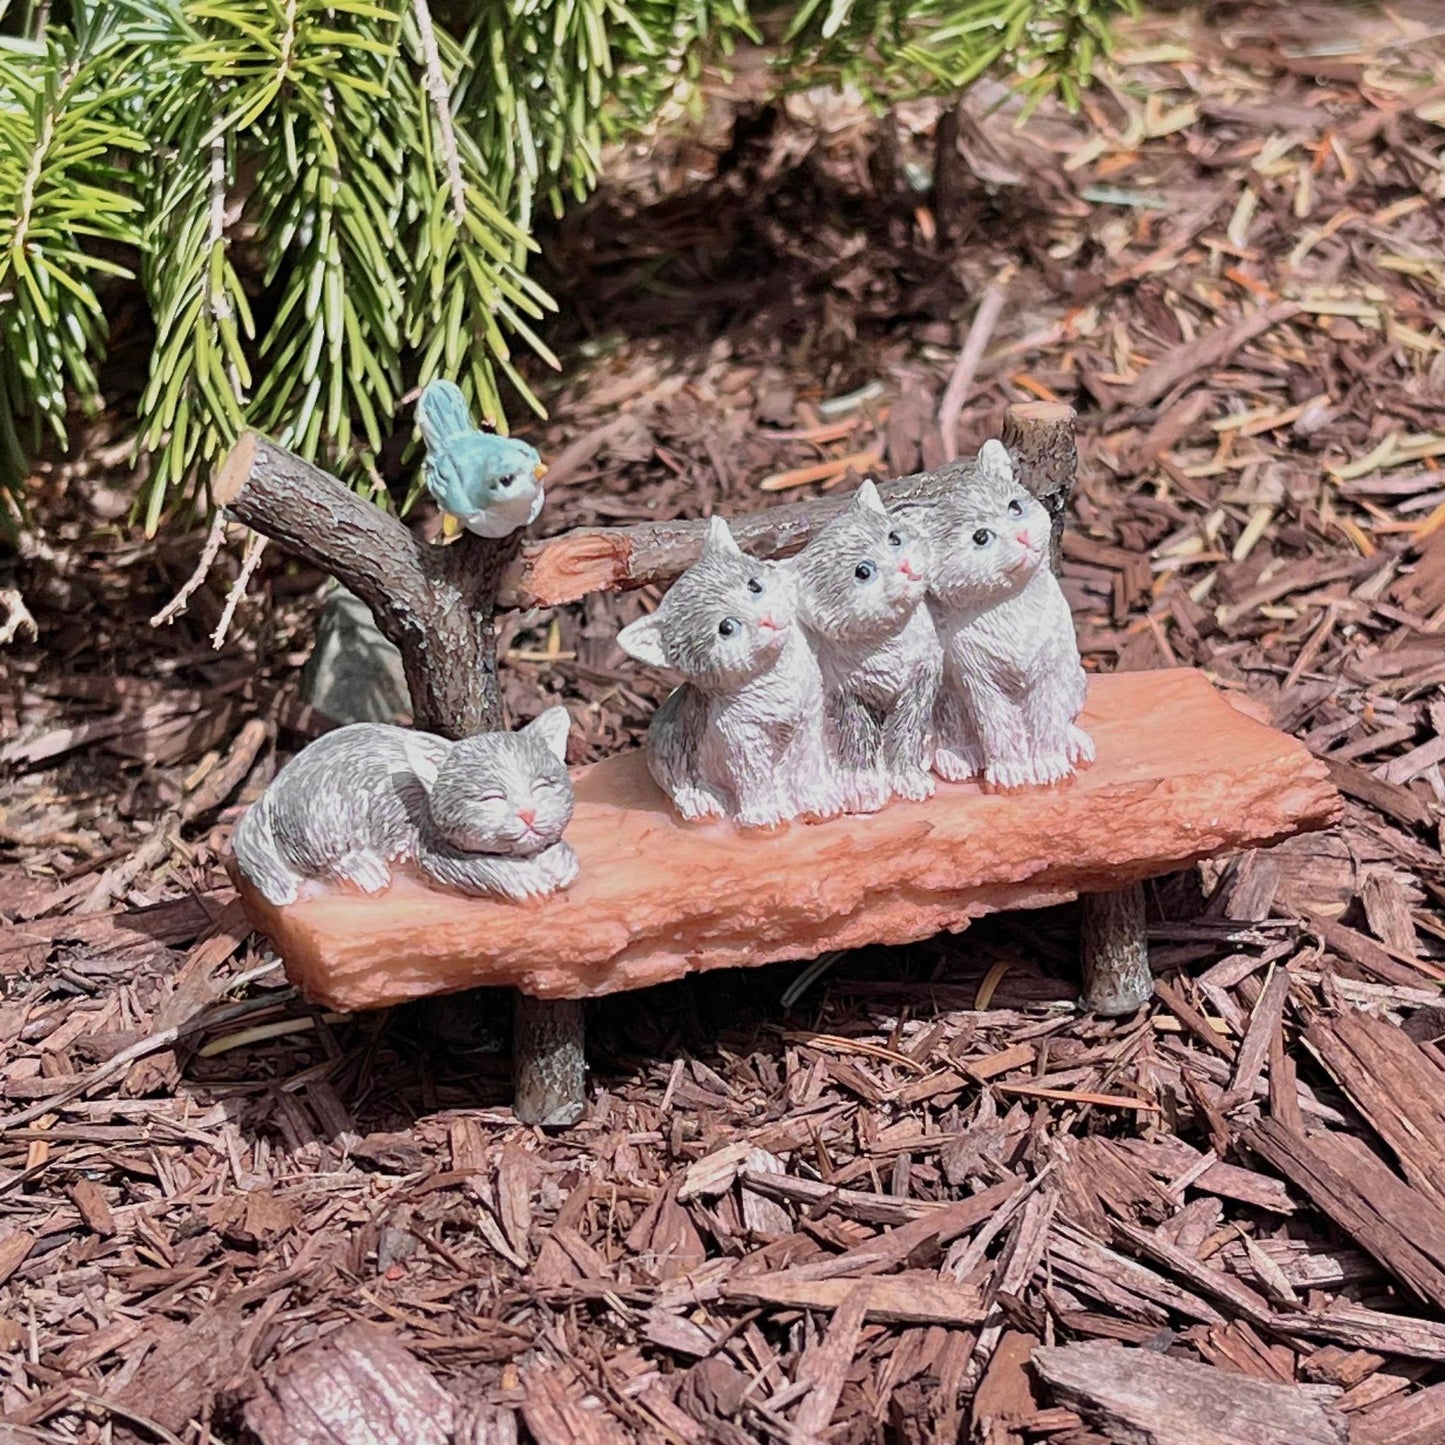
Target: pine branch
{"points": [[61, 186], [382, 160], [436, 85]]}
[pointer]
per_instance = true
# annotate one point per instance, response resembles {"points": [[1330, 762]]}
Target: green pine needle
{"points": [[310, 241]]}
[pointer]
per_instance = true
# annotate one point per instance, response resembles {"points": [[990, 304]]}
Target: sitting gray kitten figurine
{"points": [[743, 737], [1012, 683], [862, 581], [483, 815]]}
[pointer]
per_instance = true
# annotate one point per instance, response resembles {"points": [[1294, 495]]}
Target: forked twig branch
{"points": [[178, 604]]}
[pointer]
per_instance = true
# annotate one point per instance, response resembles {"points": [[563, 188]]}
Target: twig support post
{"points": [[1115, 952]]}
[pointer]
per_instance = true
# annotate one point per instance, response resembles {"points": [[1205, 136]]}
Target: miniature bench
{"points": [[1181, 775]]}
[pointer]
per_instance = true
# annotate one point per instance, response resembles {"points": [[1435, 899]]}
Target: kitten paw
{"points": [[865, 793], [1036, 772], [823, 803], [522, 880], [1002, 776], [957, 764], [1054, 768], [1080, 746], [367, 871], [693, 804], [915, 785], [762, 817], [558, 866]]}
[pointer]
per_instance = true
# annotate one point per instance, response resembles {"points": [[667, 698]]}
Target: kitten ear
{"points": [[642, 640], [552, 727], [866, 499], [993, 462], [719, 541], [418, 759]]}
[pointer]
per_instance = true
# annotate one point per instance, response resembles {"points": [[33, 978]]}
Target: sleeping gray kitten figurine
{"points": [[1013, 683], [862, 581], [743, 737], [483, 815]]}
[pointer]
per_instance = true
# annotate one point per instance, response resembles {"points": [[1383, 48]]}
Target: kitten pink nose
{"points": [[527, 815], [1024, 540], [768, 623], [907, 569]]}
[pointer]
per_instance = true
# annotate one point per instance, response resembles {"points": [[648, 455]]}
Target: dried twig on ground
{"points": [[980, 332]]}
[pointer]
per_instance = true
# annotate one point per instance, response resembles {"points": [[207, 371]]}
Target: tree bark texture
{"points": [[434, 603], [1146, 1398], [549, 1065]]}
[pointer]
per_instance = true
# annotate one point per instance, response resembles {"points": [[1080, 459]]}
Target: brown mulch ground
{"points": [[858, 1216]]}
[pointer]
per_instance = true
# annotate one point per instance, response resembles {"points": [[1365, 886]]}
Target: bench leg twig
{"points": [[548, 1061], [1115, 952]]}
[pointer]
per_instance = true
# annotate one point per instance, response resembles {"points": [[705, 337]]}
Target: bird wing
{"points": [[457, 472], [441, 413]]}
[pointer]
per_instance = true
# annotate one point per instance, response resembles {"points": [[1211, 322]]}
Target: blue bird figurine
{"points": [[490, 484]]}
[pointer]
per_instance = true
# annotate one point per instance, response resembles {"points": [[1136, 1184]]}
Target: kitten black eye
{"points": [[754, 585], [864, 571], [894, 540], [1015, 508], [727, 627], [982, 537]]}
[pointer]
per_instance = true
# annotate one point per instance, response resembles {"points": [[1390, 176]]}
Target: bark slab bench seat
{"points": [[1182, 774]]}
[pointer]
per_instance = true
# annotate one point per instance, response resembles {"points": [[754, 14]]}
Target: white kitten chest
{"points": [[879, 672]]}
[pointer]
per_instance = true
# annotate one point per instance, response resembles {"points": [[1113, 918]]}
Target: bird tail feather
{"points": [[442, 414]]}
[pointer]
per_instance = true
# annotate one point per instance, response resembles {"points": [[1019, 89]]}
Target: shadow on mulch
{"points": [[383, 1073], [752, 251]]}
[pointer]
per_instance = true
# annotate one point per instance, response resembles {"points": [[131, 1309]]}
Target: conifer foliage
{"points": [[326, 202]]}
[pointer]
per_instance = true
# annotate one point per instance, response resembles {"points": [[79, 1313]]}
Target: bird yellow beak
{"points": [[540, 470], [451, 526]]}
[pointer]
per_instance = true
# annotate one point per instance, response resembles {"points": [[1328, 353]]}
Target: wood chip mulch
{"points": [[913, 1194]]}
